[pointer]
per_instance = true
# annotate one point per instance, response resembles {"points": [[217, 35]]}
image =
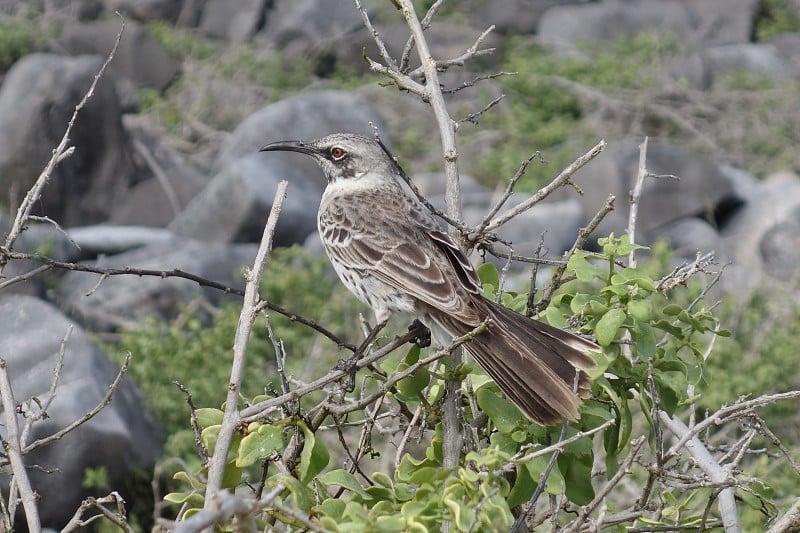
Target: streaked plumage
{"points": [[392, 254]]}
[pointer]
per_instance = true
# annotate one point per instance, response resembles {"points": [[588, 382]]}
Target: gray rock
{"points": [[701, 190], [513, 17], [309, 27], [148, 203], [120, 439], [780, 247], [77, 9], [123, 300], [686, 236], [788, 47], [433, 185], [236, 22], [139, 57], [235, 205], [36, 102], [309, 115], [565, 26], [107, 239], [758, 238], [144, 10], [722, 21], [758, 58]]}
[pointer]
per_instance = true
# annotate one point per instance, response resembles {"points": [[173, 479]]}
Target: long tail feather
{"points": [[533, 363]]}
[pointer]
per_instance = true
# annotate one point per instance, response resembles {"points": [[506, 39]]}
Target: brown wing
{"points": [[401, 247]]}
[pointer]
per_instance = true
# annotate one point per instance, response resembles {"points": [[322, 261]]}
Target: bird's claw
{"points": [[349, 366], [422, 336]]}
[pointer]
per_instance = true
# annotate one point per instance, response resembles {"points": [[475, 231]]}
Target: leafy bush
{"points": [[653, 361]]}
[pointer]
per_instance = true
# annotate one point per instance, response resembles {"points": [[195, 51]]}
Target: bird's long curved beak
{"points": [[290, 146]]}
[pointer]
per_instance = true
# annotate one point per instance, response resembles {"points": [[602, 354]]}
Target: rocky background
{"points": [[166, 173]]}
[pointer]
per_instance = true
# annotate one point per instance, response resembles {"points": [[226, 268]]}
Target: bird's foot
{"points": [[422, 335]]}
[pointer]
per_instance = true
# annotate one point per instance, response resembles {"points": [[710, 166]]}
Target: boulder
{"points": [[236, 203], [565, 26], [109, 239], [760, 238], [701, 190], [145, 10], [120, 439], [139, 58], [310, 115], [37, 100], [235, 22], [106, 304]]}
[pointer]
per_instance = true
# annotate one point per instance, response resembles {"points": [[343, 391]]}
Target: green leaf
{"points": [[577, 472], [332, 507], [554, 317], [672, 309], [192, 498], [343, 478], [259, 444], [523, 488], [641, 309], [207, 417], [209, 436], [537, 466], [584, 270], [644, 341], [488, 274], [608, 326], [302, 495], [314, 457], [502, 412]]}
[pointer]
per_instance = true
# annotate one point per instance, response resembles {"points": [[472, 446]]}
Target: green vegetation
{"points": [[198, 354], [777, 16], [653, 354], [17, 38]]}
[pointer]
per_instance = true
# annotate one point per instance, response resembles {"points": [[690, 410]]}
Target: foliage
{"points": [[775, 17], [653, 359], [165, 353], [17, 38]]}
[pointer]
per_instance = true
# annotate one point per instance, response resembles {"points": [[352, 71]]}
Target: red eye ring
{"points": [[337, 153]]}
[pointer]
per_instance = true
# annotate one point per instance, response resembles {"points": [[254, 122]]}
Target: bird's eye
{"points": [[337, 153]]}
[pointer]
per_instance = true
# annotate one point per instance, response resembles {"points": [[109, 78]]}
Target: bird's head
{"points": [[342, 156]]}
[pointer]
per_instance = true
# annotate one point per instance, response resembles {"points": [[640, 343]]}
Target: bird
{"points": [[391, 252]]}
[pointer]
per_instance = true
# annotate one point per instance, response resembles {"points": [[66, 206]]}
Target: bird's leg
{"points": [[422, 335], [349, 365]]}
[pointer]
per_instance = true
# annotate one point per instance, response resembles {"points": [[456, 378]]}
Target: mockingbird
{"points": [[391, 253]]}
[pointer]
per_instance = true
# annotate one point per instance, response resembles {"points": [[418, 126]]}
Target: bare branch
{"points": [[247, 317], [88, 416], [61, 151], [559, 181], [177, 273], [13, 448], [726, 499]]}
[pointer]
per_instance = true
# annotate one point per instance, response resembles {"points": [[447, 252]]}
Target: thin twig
{"points": [[13, 448], [560, 180], [88, 416], [176, 273], [61, 151], [247, 317], [583, 234], [624, 469]]}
